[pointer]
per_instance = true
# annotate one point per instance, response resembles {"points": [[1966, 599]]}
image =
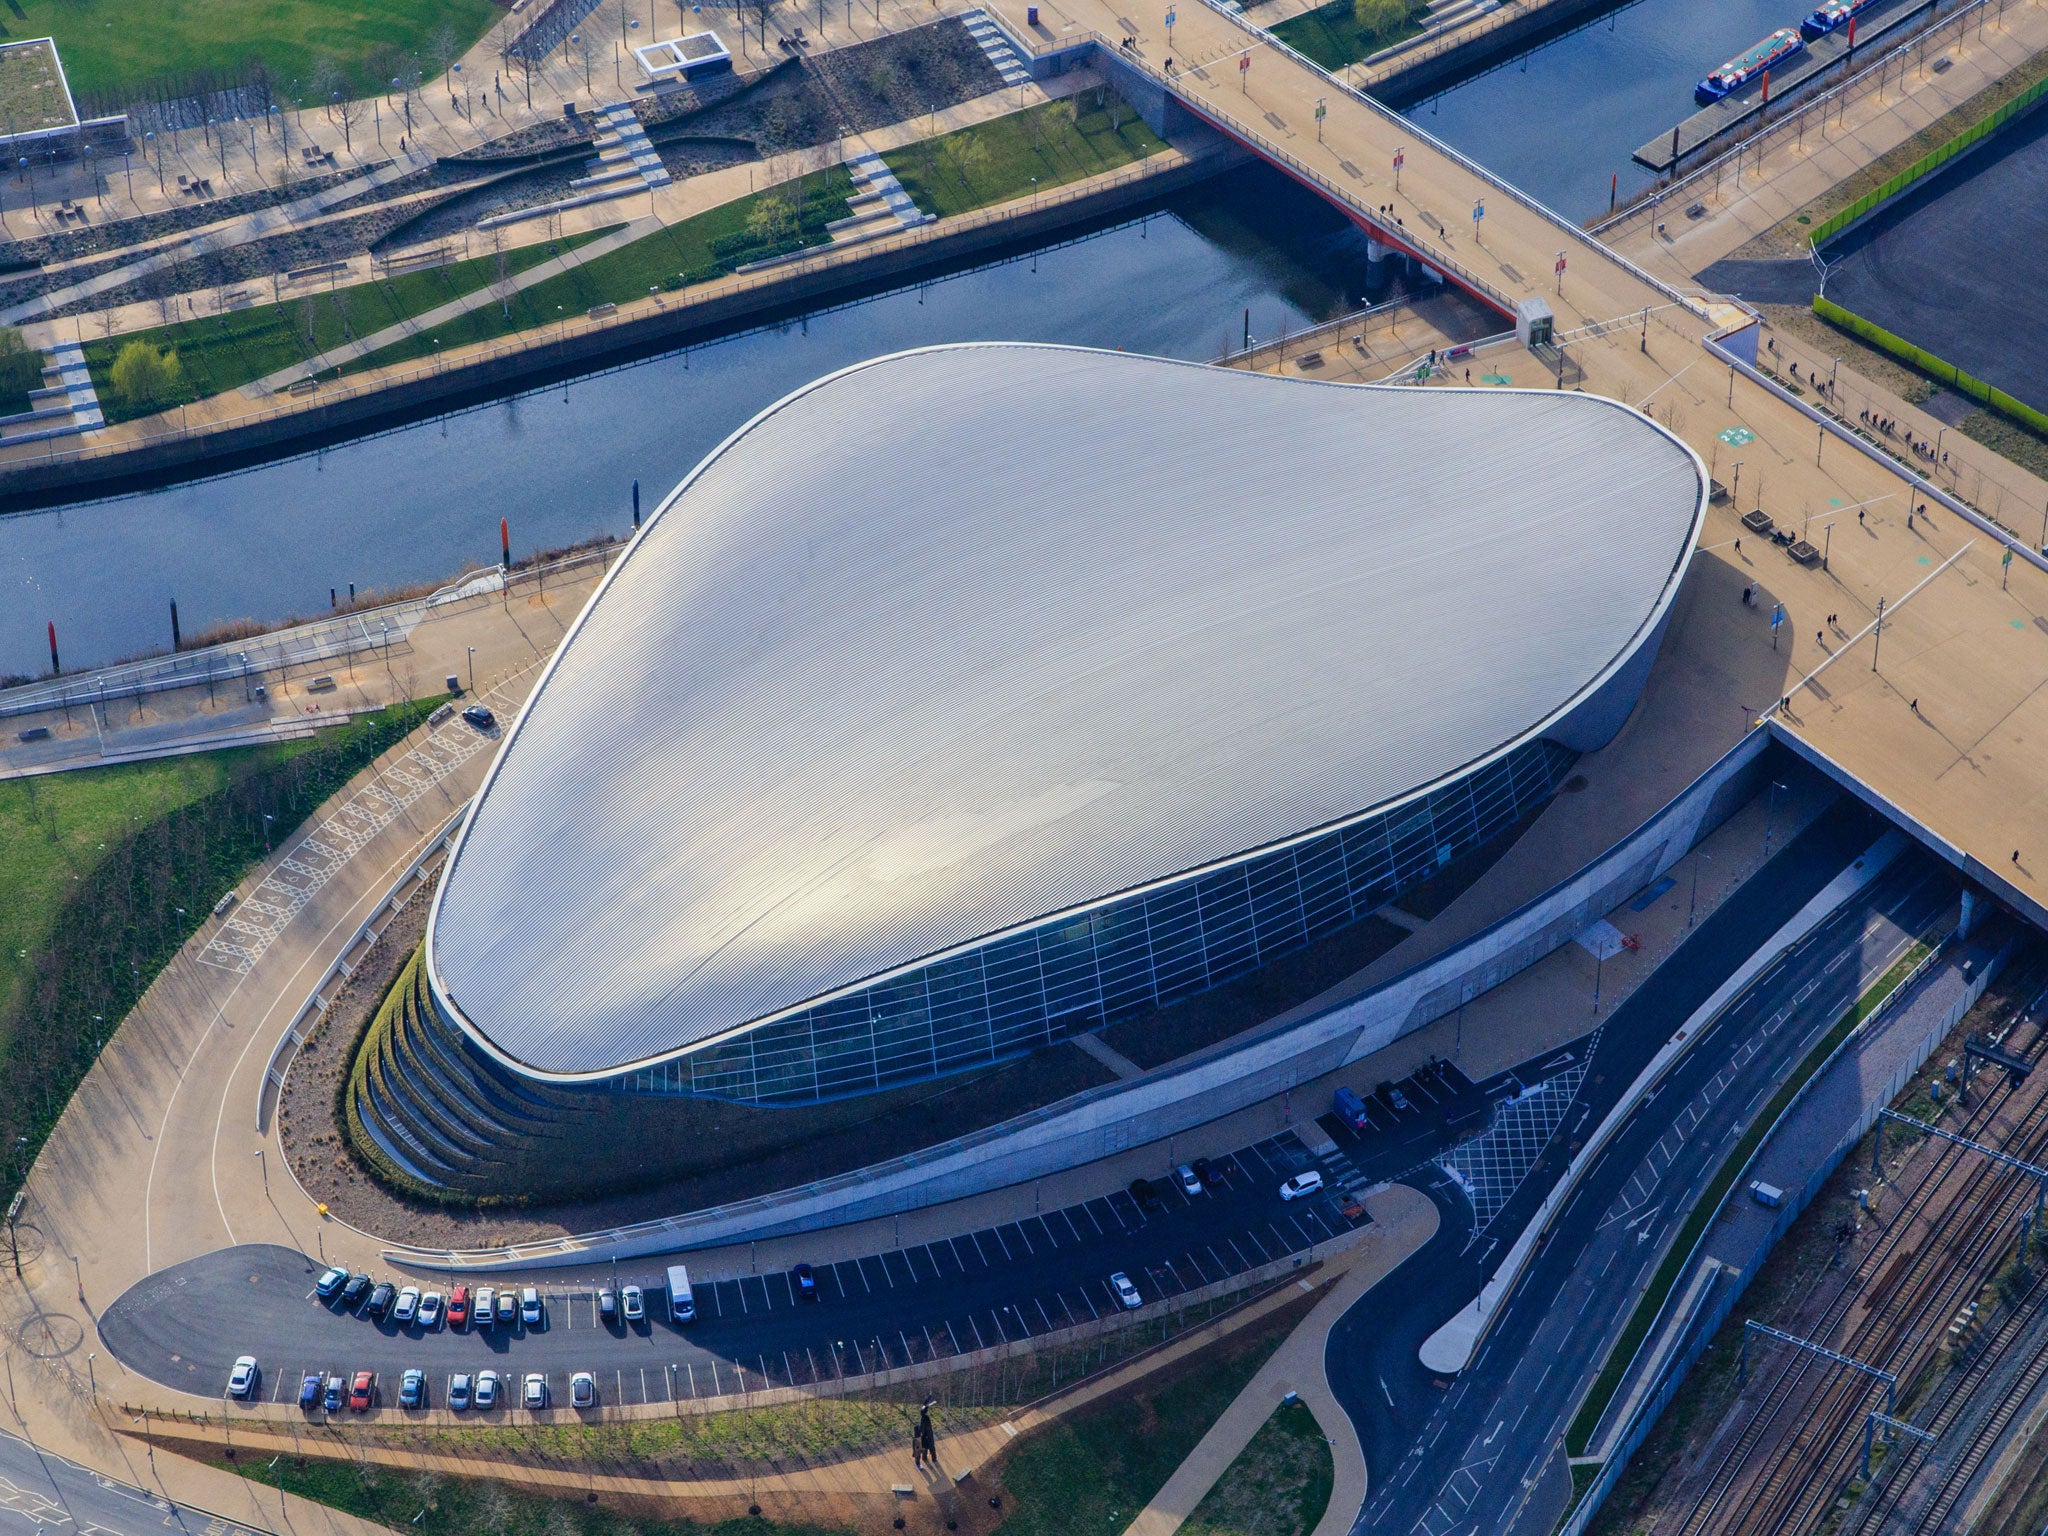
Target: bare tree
{"points": [[350, 110], [327, 83], [583, 43]]}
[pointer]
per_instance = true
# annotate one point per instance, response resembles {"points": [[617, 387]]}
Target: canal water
{"points": [[422, 502]]}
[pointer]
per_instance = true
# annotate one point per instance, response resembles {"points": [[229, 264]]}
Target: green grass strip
{"points": [[1009, 157], [1623, 1353], [698, 249], [1932, 161], [224, 352], [1934, 367], [1343, 33]]}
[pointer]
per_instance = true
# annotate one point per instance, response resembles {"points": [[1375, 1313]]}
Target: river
{"points": [[424, 501]]}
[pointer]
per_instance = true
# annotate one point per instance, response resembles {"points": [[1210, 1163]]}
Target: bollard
{"points": [[176, 643]]}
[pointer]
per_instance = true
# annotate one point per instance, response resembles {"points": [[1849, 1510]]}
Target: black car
{"points": [[607, 1305], [380, 1300], [480, 717], [1147, 1197], [1205, 1171], [804, 1281], [353, 1293]]}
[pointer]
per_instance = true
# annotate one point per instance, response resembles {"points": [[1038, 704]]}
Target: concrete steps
{"points": [[996, 45]]}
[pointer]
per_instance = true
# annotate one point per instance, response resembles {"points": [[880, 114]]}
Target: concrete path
{"points": [[1403, 1220]]}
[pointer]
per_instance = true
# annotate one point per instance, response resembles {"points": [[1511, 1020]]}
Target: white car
{"points": [[536, 1391], [458, 1391], [633, 1301], [242, 1380], [408, 1306], [1126, 1292], [486, 1393], [1301, 1184], [485, 1311], [529, 1307], [583, 1390], [430, 1310], [1189, 1184]]}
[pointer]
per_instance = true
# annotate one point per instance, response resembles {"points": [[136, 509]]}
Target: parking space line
{"points": [[715, 1389], [1196, 1265], [693, 1379], [1067, 1216], [716, 1309], [997, 1234], [1176, 1275], [953, 1337], [1253, 1237], [1045, 1231], [1093, 1314], [1280, 1238], [883, 1265], [1043, 1313], [954, 1244], [1004, 1331], [643, 1383], [931, 1350], [1024, 1238], [1221, 1267], [978, 1342], [938, 1270], [861, 1270], [909, 1268], [975, 1238], [1088, 1210]]}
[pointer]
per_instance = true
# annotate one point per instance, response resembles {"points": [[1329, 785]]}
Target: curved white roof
{"points": [[959, 638]]}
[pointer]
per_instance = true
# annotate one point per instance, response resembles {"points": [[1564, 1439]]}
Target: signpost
{"points": [[1478, 213], [1777, 619], [1560, 274], [1401, 159], [1322, 111], [1244, 64], [1172, 15]]}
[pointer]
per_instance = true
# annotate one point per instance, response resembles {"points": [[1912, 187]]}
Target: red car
{"points": [[362, 1390], [458, 1306]]}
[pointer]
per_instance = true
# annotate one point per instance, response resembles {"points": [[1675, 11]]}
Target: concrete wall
{"points": [[1220, 1081]]}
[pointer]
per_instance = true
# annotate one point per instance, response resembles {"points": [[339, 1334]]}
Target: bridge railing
{"points": [[1415, 132]]}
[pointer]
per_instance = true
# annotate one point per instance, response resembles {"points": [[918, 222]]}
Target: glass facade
{"points": [[1068, 976]]}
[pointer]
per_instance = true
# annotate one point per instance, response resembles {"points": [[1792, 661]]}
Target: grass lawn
{"points": [[1278, 1486], [432, 1505], [218, 353], [991, 162], [694, 250], [1089, 1474], [113, 46], [1333, 36], [94, 866]]}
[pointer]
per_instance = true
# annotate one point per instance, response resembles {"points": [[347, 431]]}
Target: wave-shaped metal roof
{"points": [[958, 638]]}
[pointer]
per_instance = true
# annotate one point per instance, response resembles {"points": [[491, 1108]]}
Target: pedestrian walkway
{"points": [[220, 237], [1403, 1220]]}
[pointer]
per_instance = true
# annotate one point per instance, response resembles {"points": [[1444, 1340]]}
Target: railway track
{"points": [[1806, 1429]]}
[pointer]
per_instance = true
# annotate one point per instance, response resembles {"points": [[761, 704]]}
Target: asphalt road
{"points": [[1485, 1453], [41, 1492]]}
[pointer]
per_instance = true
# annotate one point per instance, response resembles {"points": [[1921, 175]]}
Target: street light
{"points": [[472, 669]]}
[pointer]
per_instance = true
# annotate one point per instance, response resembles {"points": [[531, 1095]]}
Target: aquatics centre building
{"points": [[974, 698]]}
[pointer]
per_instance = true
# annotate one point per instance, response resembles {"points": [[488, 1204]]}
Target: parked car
{"points": [[1208, 1173], [486, 1306], [607, 1305], [330, 1284], [486, 1394], [583, 1390], [480, 717], [1305, 1183], [536, 1391], [430, 1310], [804, 1281], [353, 1293], [458, 1391], [508, 1308], [337, 1391], [412, 1389], [380, 1300], [529, 1307], [634, 1301], [310, 1386], [1399, 1100], [458, 1306], [1146, 1196], [1190, 1181], [362, 1391], [1126, 1292], [408, 1306], [242, 1379]]}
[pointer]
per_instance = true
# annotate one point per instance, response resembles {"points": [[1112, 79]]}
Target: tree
{"points": [[1379, 17], [326, 83], [145, 377], [21, 366]]}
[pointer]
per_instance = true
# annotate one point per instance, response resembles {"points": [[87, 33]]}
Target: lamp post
{"points": [[472, 669]]}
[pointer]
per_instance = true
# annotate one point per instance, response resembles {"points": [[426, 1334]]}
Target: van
{"points": [[682, 1301], [1351, 1110], [1766, 1194]]}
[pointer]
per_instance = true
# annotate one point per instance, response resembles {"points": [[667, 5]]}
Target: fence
{"points": [[1704, 1320], [1918, 357], [1828, 228], [1706, 182]]}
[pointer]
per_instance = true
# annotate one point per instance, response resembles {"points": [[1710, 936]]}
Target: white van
{"points": [[682, 1301]]}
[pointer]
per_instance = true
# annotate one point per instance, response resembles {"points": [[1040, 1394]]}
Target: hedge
{"points": [[1933, 160], [1934, 367]]}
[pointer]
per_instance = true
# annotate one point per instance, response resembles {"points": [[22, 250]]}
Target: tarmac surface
{"points": [[1945, 266], [1489, 1448], [40, 1490]]}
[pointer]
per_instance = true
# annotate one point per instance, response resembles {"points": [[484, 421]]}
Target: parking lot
{"points": [[911, 1305]]}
